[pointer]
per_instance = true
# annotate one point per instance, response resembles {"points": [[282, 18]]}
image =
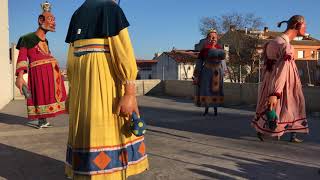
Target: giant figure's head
{"points": [[46, 20], [212, 36], [297, 23]]}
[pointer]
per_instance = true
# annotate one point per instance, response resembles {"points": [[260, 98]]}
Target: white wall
{"points": [[186, 71], [165, 69], [6, 79]]}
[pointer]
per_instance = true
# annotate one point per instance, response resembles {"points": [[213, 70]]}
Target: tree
{"points": [[233, 29], [222, 24]]}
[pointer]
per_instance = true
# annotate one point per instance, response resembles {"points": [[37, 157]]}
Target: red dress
{"points": [[45, 83]]}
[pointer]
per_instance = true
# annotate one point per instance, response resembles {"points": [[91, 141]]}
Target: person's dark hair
{"points": [[42, 17], [294, 22]]}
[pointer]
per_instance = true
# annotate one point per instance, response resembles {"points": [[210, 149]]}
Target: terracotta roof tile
{"points": [[183, 56]]}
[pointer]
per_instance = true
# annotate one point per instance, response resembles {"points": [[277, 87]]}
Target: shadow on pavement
{"points": [[12, 119], [259, 169], [20, 164], [229, 123], [224, 125]]}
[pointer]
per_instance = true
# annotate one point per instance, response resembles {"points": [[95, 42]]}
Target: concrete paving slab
{"points": [[182, 145]]}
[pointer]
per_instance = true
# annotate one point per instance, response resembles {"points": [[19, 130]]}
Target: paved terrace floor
{"points": [[182, 145]]}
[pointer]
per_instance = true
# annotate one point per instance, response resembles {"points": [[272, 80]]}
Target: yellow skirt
{"points": [[100, 146]]}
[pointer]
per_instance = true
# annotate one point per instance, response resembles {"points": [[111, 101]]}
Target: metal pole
{"points": [[309, 78], [259, 79], [162, 72], [240, 74]]}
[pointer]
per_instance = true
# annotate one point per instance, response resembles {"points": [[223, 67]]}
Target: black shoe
{"points": [[260, 136], [43, 123], [206, 111], [296, 140]]}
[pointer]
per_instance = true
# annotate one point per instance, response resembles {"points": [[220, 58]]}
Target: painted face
{"points": [[302, 30], [49, 22], [212, 38]]}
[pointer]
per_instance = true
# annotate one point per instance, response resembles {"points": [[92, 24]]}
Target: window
{"points": [[300, 54], [10, 54], [313, 54], [298, 38]]}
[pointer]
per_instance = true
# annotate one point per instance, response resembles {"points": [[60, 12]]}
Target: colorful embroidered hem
{"points": [[104, 160], [46, 109], [298, 125], [208, 101]]}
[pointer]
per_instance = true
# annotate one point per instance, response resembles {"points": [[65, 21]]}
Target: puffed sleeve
{"points": [[70, 62], [281, 70], [22, 61], [123, 58]]}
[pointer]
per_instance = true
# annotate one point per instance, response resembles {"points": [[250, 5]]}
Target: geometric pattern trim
{"points": [[42, 61], [22, 64], [208, 100], [287, 124], [46, 109], [104, 160]]}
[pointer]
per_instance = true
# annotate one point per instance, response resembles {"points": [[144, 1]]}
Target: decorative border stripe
{"points": [[46, 109], [110, 171], [91, 48], [105, 161], [22, 64], [43, 61], [92, 45], [108, 148], [277, 132]]}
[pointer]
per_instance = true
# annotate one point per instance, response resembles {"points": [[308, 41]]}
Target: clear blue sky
{"points": [[159, 25]]}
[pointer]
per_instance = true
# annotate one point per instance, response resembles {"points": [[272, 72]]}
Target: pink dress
{"points": [[281, 78]]}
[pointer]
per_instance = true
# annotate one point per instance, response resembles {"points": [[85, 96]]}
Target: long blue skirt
{"points": [[209, 91]]}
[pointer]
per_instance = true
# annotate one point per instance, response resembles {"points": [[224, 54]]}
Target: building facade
{"points": [[6, 79], [175, 65], [145, 68]]}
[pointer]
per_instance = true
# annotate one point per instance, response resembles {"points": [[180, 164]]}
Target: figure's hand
{"points": [[128, 102], [20, 82], [195, 80], [127, 105], [272, 102]]}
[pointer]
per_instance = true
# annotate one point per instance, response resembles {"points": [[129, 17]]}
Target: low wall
{"points": [[236, 93], [143, 87], [149, 87]]}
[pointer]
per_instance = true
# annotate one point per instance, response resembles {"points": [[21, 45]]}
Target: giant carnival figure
{"points": [[281, 105], [45, 90], [102, 70], [208, 74]]}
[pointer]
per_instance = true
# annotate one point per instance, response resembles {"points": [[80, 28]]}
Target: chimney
{"points": [[232, 27], [156, 55], [266, 29]]}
